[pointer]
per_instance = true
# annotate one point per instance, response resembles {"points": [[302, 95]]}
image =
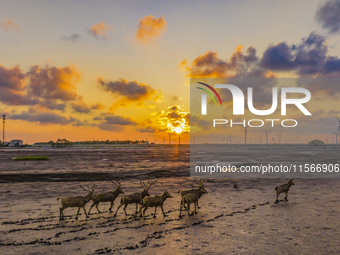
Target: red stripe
{"points": [[212, 90]]}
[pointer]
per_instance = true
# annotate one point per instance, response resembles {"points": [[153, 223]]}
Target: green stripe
{"points": [[208, 93]]}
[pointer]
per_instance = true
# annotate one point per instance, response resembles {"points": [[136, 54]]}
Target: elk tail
{"points": [[275, 188]]}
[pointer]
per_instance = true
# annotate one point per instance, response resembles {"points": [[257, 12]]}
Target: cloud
{"points": [[149, 28], [118, 120], [129, 93], [100, 30], [108, 127], [82, 107], [171, 117], [328, 14], [114, 122], [175, 98], [43, 118], [53, 83], [12, 87], [9, 24], [147, 130], [73, 37], [209, 65], [308, 58]]}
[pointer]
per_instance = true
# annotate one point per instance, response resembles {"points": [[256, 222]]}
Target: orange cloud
{"points": [[130, 93], [82, 107], [171, 118], [9, 24], [150, 28], [54, 83], [99, 30], [209, 65]]}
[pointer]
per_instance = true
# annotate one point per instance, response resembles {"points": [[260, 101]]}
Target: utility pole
{"points": [[3, 129]]}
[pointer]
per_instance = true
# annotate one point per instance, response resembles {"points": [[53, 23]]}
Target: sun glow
{"points": [[176, 127]]}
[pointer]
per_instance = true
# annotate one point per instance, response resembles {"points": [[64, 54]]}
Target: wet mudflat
{"points": [[230, 220]]}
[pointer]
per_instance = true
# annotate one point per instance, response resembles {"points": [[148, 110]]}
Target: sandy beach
{"points": [[243, 220]]}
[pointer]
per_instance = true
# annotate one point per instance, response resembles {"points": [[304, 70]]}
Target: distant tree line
{"points": [[65, 143], [111, 142]]}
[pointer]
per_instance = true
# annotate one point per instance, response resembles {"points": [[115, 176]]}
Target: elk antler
{"points": [[149, 184]]}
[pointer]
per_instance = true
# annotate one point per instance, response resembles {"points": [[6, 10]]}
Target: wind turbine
{"points": [[333, 138], [223, 139], [230, 136], [193, 139], [267, 134], [327, 139], [280, 136], [260, 138], [336, 137], [338, 131], [226, 141], [297, 139], [245, 133]]}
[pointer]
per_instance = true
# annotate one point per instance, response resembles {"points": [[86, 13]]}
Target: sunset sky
{"points": [[106, 70]]}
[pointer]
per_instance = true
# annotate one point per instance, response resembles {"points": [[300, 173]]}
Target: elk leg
{"points": [[277, 197], [112, 203], [144, 213], [195, 208], [198, 206], [286, 196], [117, 210], [91, 207], [85, 211], [125, 209], [136, 208], [163, 211], [61, 213], [188, 208], [77, 213], [154, 216], [98, 208], [180, 209]]}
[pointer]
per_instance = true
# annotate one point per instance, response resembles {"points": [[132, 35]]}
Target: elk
{"points": [[283, 188], [135, 198], [200, 186], [153, 202], [107, 197], [190, 198], [79, 201]]}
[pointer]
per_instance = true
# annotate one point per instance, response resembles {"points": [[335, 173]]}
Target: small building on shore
{"points": [[15, 142]]}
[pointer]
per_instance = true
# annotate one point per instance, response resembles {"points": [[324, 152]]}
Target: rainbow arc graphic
{"points": [[209, 93]]}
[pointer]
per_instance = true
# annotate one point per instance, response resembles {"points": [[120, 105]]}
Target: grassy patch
{"points": [[32, 158]]}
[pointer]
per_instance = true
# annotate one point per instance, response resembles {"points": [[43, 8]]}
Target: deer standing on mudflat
{"points": [[153, 202], [79, 202], [107, 197], [134, 198], [283, 189], [190, 198], [200, 186]]}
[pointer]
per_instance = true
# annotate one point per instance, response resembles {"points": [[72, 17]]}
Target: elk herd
{"points": [[144, 200]]}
